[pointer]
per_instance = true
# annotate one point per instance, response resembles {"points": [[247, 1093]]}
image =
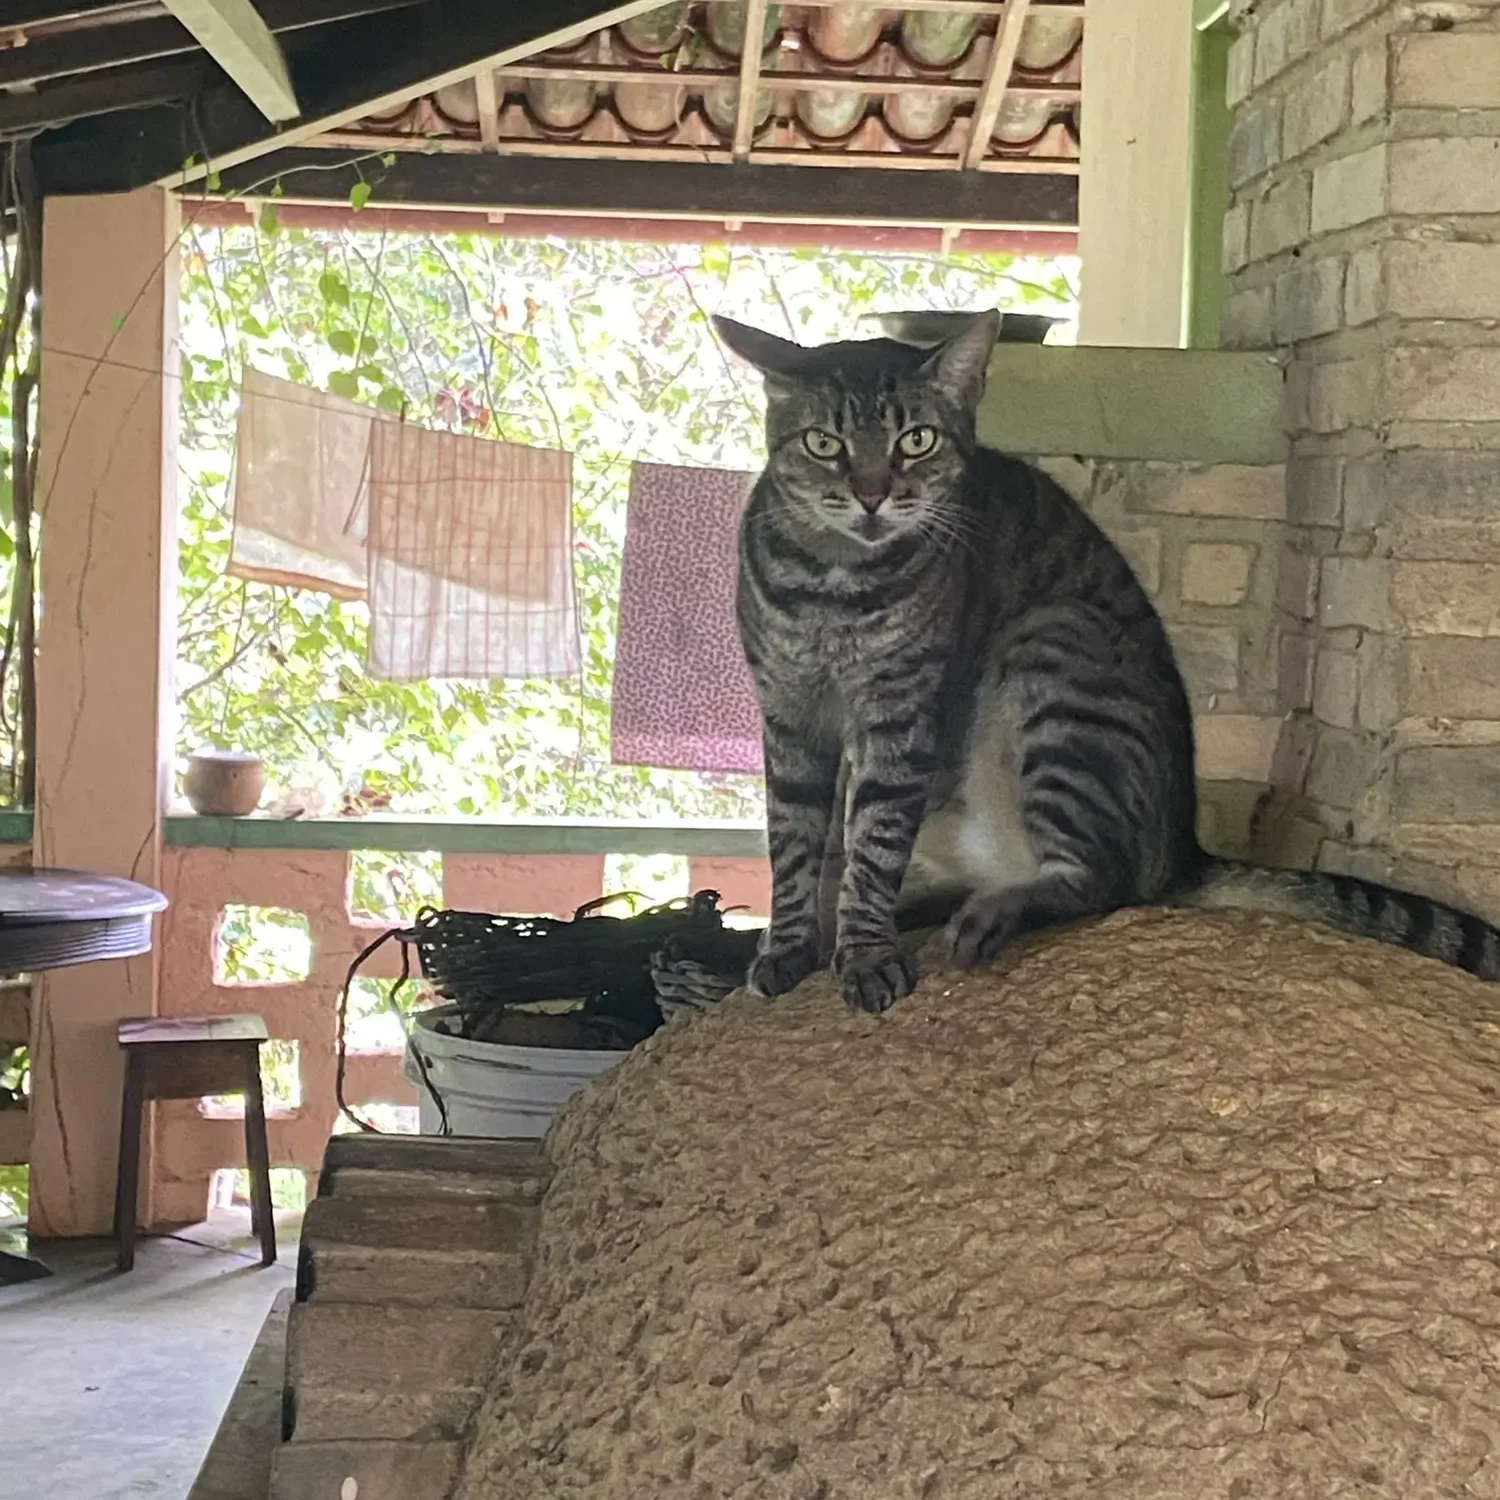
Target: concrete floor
{"points": [[113, 1387]]}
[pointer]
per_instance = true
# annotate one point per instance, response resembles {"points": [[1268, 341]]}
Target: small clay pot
{"points": [[224, 783]]}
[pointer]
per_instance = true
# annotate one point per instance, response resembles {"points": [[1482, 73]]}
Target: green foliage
{"points": [[288, 1188], [262, 945], [15, 1075], [392, 888], [13, 1193], [599, 348]]}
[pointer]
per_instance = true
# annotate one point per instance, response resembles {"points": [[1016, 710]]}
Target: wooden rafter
{"points": [[370, 66], [234, 35], [744, 116], [369, 142], [996, 81], [20, 14], [792, 83], [102, 94], [71, 54], [489, 109], [667, 189]]}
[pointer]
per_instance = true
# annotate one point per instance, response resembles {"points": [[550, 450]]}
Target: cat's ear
{"points": [[779, 360], [959, 366]]}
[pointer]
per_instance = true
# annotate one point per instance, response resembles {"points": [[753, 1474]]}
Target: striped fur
{"points": [[949, 623]]}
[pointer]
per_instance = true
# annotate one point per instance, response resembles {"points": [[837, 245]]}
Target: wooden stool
{"points": [[186, 1057]]}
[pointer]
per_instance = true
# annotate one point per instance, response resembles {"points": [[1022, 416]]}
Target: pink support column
{"points": [[107, 494]]}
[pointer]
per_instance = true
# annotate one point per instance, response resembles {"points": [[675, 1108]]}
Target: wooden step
{"points": [[359, 1370], [15, 1137], [415, 1256], [15, 1013], [433, 1165], [380, 1471], [372, 1239]]}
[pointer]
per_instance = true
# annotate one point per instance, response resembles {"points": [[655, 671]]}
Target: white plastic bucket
{"points": [[492, 1090]]}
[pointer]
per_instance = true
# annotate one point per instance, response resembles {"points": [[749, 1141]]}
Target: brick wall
{"points": [[1208, 542], [1363, 239]]}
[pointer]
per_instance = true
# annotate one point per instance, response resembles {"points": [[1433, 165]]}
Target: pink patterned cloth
{"points": [[683, 699]]}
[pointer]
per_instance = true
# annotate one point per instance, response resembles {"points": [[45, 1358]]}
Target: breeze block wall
{"points": [[1363, 243]]}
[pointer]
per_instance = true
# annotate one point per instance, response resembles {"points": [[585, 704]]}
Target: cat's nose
{"points": [[871, 494]]}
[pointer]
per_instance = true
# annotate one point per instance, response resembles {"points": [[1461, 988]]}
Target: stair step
{"points": [[380, 1471], [362, 1371]]}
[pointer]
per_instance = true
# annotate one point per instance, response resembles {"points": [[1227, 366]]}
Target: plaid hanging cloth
{"points": [[470, 557]]}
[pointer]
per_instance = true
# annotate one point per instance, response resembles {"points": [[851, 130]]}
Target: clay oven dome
{"points": [[1170, 1205]]}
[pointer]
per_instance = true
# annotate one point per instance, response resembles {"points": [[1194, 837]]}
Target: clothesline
{"points": [[463, 548], [461, 545]]}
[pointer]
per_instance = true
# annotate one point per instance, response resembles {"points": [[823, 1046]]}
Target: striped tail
{"points": [[1358, 907]]}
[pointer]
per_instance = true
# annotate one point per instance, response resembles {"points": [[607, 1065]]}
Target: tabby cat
{"points": [[947, 621]]}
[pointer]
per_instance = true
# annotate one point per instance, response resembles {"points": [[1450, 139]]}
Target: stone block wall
{"points": [[1363, 240], [1209, 543]]}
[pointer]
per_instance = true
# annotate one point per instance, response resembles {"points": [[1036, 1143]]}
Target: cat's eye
{"points": [[821, 444], [917, 442]]}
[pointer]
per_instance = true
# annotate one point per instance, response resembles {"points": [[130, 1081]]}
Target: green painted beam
{"points": [[1188, 405], [743, 840], [472, 836]]}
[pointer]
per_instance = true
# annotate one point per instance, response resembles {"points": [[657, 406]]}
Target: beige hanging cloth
{"points": [[470, 555], [301, 469]]}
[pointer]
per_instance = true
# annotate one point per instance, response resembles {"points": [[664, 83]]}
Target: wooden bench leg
{"points": [[258, 1158], [128, 1173]]}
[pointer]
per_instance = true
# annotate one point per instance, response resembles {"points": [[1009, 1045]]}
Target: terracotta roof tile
{"points": [[839, 83]]}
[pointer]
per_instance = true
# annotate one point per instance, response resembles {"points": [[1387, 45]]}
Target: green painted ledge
{"points": [[1206, 406], [473, 836], [450, 835]]}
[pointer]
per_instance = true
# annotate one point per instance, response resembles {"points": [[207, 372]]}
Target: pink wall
{"points": [[190, 1147]]}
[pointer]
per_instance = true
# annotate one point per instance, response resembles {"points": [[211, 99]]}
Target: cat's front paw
{"points": [[876, 977], [983, 926], [781, 967]]}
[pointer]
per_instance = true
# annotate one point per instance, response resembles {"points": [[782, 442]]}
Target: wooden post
{"points": [[107, 494], [1133, 193]]}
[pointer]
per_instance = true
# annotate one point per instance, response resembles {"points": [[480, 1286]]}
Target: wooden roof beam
{"points": [[65, 56], [744, 118], [996, 81], [510, 182], [101, 95], [233, 34], [19, 15], [370, 65], [487, 98]]}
